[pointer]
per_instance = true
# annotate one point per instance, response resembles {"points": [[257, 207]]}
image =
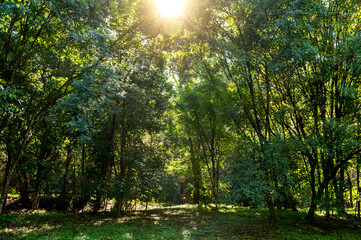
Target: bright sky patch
{"points": [[170, 8]]}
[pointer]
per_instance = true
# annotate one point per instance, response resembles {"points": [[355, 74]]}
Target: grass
{"points": [[176, 223]]}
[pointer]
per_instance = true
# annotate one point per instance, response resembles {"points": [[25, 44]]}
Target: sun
{"points": [[170, 8]]}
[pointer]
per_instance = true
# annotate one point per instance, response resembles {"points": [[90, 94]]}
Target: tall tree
{"points": [[45, 46], [201, 117], [318, 68]]}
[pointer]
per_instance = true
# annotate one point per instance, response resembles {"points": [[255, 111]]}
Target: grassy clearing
{"points": [[176, 223]]}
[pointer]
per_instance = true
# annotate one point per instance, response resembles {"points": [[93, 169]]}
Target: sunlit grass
{"points": [[185, 222]]}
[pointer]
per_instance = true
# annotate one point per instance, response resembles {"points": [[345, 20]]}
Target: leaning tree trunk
{"points": [[9, 170], [6, 182], [11, 163]]}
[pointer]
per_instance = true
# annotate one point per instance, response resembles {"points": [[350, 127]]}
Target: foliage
{"points": [[253, 103]]}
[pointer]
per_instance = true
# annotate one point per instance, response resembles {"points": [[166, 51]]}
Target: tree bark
{"points": [[270, 204], [327, 202], [83, 156], [339, 193], [197, 179], [358, 189], [24, 193], [313, 205], [293, 204], [67, 166], [36, 197], [6, 182], [12, 161], [350, 187]]}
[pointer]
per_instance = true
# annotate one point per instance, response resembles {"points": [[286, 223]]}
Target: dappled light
{"points": [[177, 223], [180, 119]]}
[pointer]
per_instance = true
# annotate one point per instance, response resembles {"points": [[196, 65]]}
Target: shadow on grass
{"points": [[178, 223]]}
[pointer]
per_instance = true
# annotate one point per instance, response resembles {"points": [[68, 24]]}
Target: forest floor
{"points": [[181, 222]]}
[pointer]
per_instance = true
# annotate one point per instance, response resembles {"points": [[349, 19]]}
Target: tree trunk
{"points": [[197, 177], [197, 181], [327, 202], [312, 209], [118, 206], [342, 192], [4, 194], [358, 189], [6, 182], [64, 204], [12, 161], [83, 156], [270, 204], [36, 197], [285, 201], [67, 166], [350, 186], [293, 204], [24, 193], [313, 205], [316, 197], [73, 187], [340, 208]]}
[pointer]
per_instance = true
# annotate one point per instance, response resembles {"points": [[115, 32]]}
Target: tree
{"points": [[43, 51], [200, 115], [235, 53], [317, 65]]}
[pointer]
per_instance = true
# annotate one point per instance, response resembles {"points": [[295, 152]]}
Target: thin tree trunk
{"points": [[350, 186], [197, 179], [119, 205], [83, 156], [74, 188], [313, 205], [342, 191], [339, 193], [270, 205], [327, 202], [36, 197], [358, 189], [67, 165], [293, 204]]}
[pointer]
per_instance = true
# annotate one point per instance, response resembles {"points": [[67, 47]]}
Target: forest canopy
{"points": [[250, 103]]}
